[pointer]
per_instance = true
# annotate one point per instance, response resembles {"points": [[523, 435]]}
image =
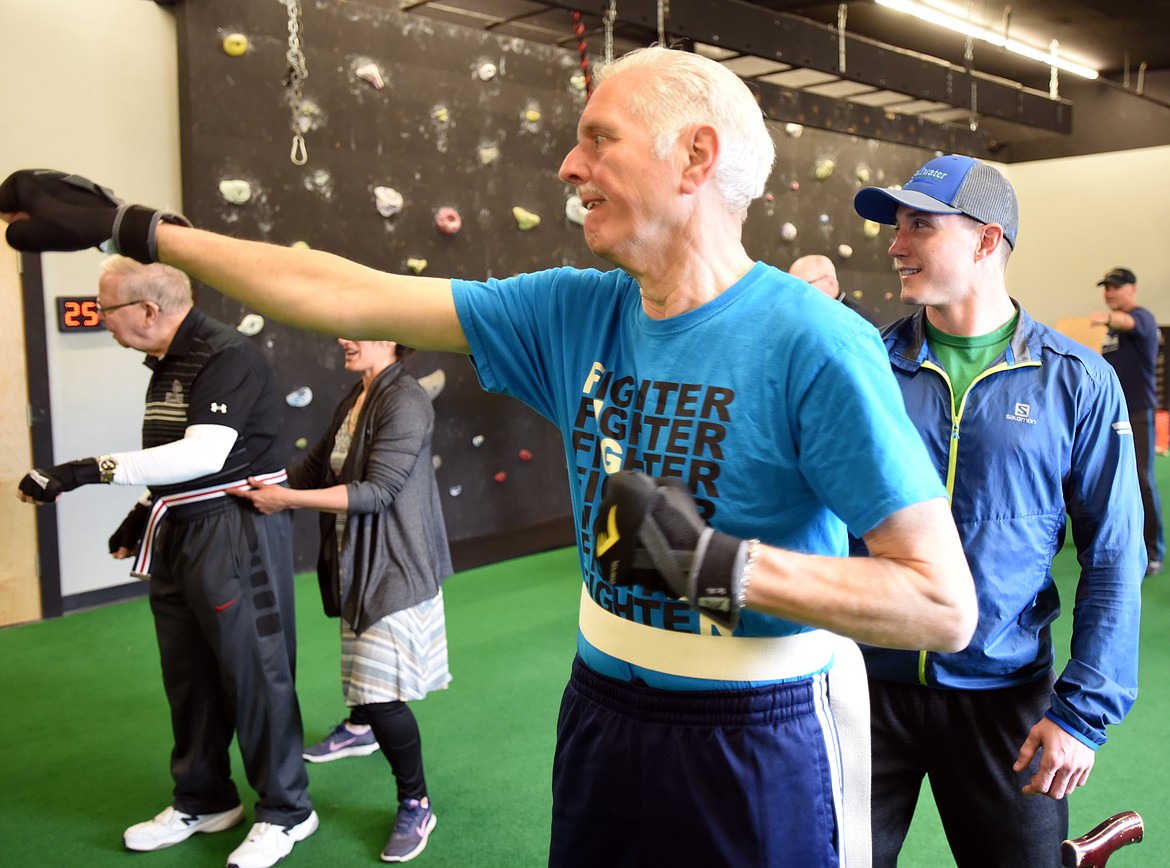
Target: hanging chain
{"points": [[297, 73], [969, 57], [608, 21], [842, 15], [663, 11], [1054, 72]]}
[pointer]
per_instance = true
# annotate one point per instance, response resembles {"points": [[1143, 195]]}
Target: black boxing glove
{"points": [[69, 212], [650, 533], [129, 533], [45, 486]]}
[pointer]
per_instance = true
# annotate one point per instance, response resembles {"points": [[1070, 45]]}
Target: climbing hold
{"points": [[524, 455], [418, 266], [441, 114], [372, 73], [768, 197], [857, 294], [250, 325], [824, 169], [889, 296], [448, 221], [871, 229], [844, 251], [302, 443], [863, 173], [794, 130], [823, 219], [300, 245], [235, 190], [794, 186], [477, 440], [788, 232], [532, 116], [235, 44], [388, 201], [486, 71], [301, 397], [574, 210], [525, 219], [433, 383], [501, 477], [488, 154], [455, 490], [436, 461]]}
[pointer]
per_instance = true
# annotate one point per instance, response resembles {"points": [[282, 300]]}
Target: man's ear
{"points": [[702, 149], [990, 238]]}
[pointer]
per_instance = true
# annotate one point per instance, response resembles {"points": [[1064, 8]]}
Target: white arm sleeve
{"points": [[203, 450]]}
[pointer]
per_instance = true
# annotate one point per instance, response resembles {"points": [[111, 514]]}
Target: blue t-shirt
{"points": [[1134, 355], [775, 404]]}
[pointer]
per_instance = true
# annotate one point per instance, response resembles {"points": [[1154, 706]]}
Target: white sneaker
{"points": [[267, 844], [171, 826]]}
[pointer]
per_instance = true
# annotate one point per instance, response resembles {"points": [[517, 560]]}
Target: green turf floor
{"points": [[84, 737]]}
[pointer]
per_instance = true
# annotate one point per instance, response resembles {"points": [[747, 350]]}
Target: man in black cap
{"points": [[1131, 346], [1028, 430]]}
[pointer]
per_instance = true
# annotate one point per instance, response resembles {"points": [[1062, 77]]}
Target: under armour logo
{"points": [[218, 408]]}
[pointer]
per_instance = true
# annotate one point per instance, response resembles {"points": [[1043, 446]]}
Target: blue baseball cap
{"points": [[947, 185]]}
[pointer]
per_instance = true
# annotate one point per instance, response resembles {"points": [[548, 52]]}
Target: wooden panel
{"points": [[20, 598], [1079, 329]]}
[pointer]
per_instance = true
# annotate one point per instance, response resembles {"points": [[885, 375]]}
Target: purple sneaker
{"points": [[341, 743], [411, 830]]}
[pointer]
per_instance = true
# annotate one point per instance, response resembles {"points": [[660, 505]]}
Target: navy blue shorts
{"points": [[648, 777]]}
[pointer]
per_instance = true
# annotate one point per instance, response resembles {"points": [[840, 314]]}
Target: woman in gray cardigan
{"points": [[382, 561]]}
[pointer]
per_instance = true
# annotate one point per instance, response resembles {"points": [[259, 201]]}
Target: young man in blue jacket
{"points": [[1025, 428]]}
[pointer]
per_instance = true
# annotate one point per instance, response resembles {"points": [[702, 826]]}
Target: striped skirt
{"points": [[401, 657]]}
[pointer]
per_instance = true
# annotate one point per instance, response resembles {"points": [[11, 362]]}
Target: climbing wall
{"points": [[415, 146]]}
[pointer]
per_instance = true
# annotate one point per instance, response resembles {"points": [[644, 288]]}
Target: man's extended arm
{"points": [[50, 210], [319, 291]]}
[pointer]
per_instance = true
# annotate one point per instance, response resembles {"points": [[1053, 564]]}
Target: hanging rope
{"points": [[583, 52], [297, 73]]}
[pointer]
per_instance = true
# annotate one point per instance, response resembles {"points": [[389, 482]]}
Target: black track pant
{"points": [[222, 596], [965, 741]]}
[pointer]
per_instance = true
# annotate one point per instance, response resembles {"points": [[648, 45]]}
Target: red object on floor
{"points": [[1162, 431]]}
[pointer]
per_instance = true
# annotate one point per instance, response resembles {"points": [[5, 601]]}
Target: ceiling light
{"points": [[936, 15]]}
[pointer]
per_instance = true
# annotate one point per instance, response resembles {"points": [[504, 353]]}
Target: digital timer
{"points": [[78, 314]]}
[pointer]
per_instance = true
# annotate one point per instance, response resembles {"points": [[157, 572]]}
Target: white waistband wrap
{"points": [[693, 655], [765, 658], [141, 568], [849, 700]]}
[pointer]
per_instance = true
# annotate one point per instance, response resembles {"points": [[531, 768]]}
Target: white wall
{"points": [[91, 86], [1080, 217]]}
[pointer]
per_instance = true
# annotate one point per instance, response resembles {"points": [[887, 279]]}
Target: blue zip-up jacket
{"points": [[1041, 434]]}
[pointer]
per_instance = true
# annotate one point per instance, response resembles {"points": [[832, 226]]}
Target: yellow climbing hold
{"points": [[525, 219], [235, 44]]}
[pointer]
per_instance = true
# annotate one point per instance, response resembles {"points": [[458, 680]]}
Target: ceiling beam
{"points": [[748, 28]]}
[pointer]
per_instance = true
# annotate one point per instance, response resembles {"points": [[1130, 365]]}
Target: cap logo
{"points": [[930, 173]]}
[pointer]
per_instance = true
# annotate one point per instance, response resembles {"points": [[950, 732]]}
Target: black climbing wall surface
{"points": [[464, 120]]}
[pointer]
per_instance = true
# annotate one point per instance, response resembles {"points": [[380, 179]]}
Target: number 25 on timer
{"points": [[78, 315]]}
